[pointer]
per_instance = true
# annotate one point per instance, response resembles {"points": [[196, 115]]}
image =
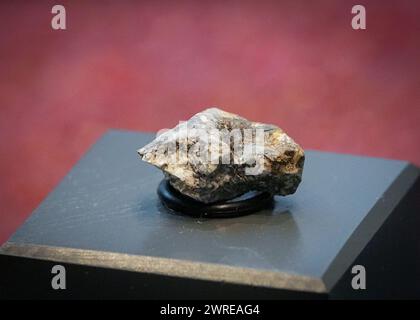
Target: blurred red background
{"points": [[146, 65]]}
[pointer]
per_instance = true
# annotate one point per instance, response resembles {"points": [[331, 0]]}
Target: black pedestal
{"points": [[106, 225]]}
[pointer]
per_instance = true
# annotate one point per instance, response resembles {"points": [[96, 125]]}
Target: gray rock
{"points": [[218, 155]]}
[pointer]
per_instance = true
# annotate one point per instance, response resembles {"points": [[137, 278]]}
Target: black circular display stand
{"points": [[180, 203]]}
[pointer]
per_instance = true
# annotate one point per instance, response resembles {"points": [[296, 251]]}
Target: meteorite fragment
{"points": [[217, 156]]}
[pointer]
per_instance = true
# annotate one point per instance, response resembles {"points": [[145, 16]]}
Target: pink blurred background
{"points": [[145, 65]]}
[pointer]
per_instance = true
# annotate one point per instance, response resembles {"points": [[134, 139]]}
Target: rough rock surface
{"points": [[202, 157]]}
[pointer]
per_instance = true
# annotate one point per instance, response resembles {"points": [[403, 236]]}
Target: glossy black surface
{"points": [[182, 204]]}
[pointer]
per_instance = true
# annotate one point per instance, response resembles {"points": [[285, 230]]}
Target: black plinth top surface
{"points": [[108, 202]]}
